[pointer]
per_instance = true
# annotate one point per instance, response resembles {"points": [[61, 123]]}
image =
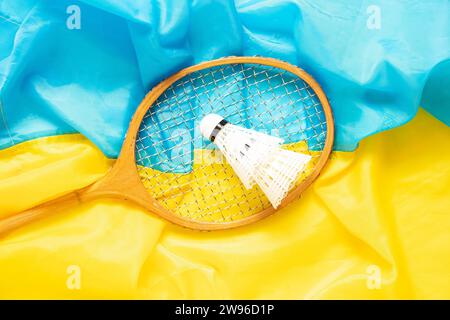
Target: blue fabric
{"points": [[56, 80]]}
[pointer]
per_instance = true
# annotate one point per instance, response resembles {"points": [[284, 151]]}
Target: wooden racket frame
{"points": [[123, 181]]}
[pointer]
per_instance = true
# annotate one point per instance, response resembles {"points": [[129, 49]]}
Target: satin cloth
{"points": [[376, 60], [374, 225]]}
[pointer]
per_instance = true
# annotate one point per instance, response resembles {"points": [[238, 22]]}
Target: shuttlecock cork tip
{"points": [[209, 123]]}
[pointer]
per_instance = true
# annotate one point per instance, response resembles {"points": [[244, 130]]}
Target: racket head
{"points": [[253, 92]]}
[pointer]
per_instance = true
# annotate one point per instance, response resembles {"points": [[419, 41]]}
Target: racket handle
{"points": [[39, 212]]}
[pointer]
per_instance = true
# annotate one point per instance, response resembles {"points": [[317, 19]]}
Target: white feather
{"points": [[278, 172], [257, 158]]}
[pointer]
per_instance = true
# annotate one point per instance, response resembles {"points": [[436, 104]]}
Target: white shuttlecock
{"points": [[255, 157]]}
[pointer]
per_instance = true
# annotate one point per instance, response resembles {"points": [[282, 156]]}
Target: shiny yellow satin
{"points": [[374, 225]]}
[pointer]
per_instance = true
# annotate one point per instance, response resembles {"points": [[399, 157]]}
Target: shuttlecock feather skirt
{"points": [[258, 158]]}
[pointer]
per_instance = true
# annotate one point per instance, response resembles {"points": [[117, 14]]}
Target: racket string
{"points": [[144, 128], [239, 110], [247, 95]]}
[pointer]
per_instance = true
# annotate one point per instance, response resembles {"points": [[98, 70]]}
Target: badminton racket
{"points": [[169, 168]]}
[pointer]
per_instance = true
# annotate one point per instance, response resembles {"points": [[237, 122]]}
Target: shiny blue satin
{"points": [[56, 80]]}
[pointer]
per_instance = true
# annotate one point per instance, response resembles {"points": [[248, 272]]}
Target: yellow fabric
{"points": [[178, 192], [381, 212]]}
